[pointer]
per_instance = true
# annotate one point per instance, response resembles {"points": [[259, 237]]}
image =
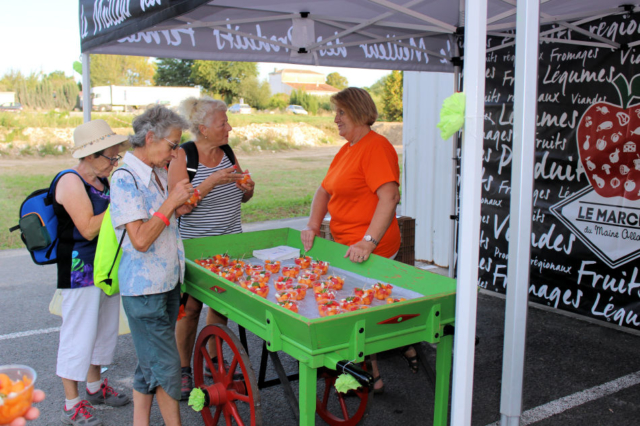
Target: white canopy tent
{"points": [[415, 35]]}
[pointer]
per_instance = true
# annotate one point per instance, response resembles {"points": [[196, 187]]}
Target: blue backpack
{"points": [[38, 223]]}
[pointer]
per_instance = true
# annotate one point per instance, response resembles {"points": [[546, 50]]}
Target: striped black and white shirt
{"points": [[218, 213]]}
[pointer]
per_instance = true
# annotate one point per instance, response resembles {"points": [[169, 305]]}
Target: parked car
{"points": [[296, 109], [240, 109], [11, 107]]}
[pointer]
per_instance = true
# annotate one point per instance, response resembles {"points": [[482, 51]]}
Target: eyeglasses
{"points": [[174, 145], [112, 160]]}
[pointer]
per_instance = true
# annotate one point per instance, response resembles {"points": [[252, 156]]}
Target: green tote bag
{"points": [[108, 254]]}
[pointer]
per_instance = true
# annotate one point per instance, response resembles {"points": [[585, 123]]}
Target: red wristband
{"points": [[162, 218]]}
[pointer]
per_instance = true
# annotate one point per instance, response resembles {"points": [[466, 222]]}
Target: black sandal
{"points": [[380, 390], [412, 361]]}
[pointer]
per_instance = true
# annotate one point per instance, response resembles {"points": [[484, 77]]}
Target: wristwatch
{"points": [[368, 238]]}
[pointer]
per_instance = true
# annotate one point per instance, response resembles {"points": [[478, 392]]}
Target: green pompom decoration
{"points": [[452, 115], [196, 399], [345, 383]]}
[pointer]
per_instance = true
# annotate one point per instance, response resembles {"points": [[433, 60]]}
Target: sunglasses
{"points": [[174, 145], [112, 160]]}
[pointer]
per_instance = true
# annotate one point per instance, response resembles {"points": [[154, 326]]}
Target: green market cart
{"points": [[322, 346]]}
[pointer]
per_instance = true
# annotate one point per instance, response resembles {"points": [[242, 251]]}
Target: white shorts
{"points": [[89, 331]]}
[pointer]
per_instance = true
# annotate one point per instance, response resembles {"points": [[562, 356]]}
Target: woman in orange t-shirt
{"points": [[360, 191]]}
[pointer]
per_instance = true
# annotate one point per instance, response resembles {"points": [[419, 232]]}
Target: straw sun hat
{"points": [[94, 136]]}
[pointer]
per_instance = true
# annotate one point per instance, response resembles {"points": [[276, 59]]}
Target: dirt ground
{"points": [[37, 139]]}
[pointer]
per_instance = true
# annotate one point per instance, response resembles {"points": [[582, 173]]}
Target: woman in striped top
{"points": [[218, 213]]}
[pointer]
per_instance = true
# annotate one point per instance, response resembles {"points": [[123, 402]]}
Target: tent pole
{"points": [[523, 158], [469, 226], [86, 88], [454, 174]]}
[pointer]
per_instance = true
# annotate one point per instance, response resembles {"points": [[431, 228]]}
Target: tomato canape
{"points": [[337, 281], [228, 274], [290, 271], [303, 261], [259, 288], [307, 279], [285, 295], [222, 259], [195, 198], [272, 266], [381, 291], [15, 397], [318, 286], [350, 303], [321, 266], [395, 300], [262, 276], [251, 269], [325, 295], [235, 262], [237, 269], [283, 283], [365, 294], [290, 305], [300, 291], [329, 308]]}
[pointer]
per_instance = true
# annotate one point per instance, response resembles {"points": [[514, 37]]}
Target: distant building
{"points": [[7, 97], [287, 80]]}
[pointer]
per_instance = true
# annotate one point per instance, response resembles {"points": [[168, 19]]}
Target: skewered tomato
{"points": [[365, 294], [195, 198], [381, 291], [303, 261], [325, 295], [290, 271], [337, 281], [258, 288], [283, 283], [272, 266], [321, 266], [329, 308], [300, 291], [290, 305]]}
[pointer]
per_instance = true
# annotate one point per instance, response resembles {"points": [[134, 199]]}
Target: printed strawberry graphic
{"points": [[608, 140]]}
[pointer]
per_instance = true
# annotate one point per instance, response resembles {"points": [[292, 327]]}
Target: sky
{"points": [[43, 36]]}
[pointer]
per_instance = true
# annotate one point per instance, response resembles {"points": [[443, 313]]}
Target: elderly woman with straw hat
{"points": [[89, 328], [152, 263]]}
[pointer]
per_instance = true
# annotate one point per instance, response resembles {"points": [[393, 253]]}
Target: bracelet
{"points": [[162, 218]]}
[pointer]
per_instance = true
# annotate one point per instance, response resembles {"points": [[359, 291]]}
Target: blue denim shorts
{"points": [[152, 320]]}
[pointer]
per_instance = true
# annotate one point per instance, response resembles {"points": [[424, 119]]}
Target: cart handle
{"points": [[365, 379]]}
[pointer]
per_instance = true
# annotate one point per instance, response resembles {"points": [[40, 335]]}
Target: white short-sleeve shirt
{"points": [[160, 268]]}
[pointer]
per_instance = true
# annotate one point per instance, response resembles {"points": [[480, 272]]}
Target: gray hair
{"points": [[195, 111], [157, 119]]}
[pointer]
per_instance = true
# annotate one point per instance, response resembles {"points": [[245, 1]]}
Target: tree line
{"points": [[226, 80]]}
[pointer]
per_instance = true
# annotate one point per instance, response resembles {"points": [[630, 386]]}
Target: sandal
{"points": [[412, 361], [380, 390]]}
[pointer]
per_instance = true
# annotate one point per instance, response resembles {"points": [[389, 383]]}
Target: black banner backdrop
{"points": [[585, 240]]}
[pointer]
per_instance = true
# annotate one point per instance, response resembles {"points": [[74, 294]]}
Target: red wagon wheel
{"points": [[335, 402], [228, 396]]}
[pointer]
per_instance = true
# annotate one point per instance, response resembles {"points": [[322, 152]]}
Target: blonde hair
{"points": [[357, 104], [195, 111]]}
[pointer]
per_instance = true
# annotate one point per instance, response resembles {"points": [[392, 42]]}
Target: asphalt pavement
{"points": [[577, 373]]}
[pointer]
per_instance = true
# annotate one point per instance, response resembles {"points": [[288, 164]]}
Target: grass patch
{"points": [[285, 185]]}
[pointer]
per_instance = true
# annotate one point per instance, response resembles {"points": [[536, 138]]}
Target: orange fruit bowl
{"points": [[16, 390], [291, 272]]}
